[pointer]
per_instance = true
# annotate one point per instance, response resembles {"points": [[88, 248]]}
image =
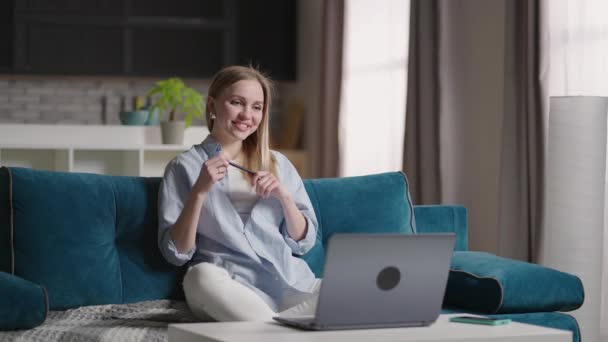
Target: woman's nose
{"points": [[246, 113]]}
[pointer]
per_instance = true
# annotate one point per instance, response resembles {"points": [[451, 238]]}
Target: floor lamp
{"points": [[572, 236]]}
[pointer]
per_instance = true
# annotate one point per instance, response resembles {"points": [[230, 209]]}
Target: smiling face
{"points": [[239, 110]]}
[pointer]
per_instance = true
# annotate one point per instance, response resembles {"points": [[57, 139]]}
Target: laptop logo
{"points": [[388, 278]]}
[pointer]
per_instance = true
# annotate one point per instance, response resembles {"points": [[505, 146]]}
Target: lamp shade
{"points": [[572, 236]]}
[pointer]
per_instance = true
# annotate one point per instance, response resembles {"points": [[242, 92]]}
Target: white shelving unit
{"points": [[114, 150]]}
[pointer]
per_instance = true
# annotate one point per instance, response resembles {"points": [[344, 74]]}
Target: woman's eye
{"points": [[235, 102], [258, 108]]}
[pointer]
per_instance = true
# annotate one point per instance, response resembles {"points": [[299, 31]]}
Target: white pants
{"points": [[212, 294]]}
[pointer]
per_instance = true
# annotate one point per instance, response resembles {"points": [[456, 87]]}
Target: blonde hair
{"points": [[256, 147]]}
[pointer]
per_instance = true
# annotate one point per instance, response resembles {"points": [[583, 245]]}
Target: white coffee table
{"points": [[442, 330]]}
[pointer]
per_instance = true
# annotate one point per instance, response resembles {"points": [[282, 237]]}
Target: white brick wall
{"points": [[55, 100], [52, 100]]}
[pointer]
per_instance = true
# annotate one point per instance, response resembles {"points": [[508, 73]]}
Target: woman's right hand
{"points": [[213, 170]]}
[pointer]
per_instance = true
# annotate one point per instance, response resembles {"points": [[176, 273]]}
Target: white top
{"points": [[241, 193]]}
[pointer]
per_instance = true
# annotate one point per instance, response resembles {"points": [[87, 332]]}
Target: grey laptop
{"points": [[380, 281]]}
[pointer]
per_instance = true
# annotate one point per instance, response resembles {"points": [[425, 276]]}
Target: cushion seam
{"points": [[12, 219], [319, 216], [122, 291], [578, 328], [460, 224], [453, 220], [502, 293], [46, 302], [580, 281], [409, 199]]}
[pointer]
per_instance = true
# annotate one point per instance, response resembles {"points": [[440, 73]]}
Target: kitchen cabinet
{"points": [[6, 36], [186, 38]]}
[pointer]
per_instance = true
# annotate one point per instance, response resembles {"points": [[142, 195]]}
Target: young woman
{"points": [[237, 231]]}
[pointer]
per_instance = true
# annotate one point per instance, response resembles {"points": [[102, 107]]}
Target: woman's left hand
{"points": [[266, 185]]}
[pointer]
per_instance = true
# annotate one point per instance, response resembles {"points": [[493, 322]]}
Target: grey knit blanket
{"points": [[143, 321]]}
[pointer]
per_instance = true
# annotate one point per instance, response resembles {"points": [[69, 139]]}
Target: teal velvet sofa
{"points": [[73, 240]]}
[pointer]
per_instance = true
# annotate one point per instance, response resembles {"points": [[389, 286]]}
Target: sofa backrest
{"points": [[366, 204], [91, 239]]}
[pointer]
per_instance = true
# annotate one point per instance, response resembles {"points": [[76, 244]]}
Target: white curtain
{"points": [[374, 75], [574, 62]]}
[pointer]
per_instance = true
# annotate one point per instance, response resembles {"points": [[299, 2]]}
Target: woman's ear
{"points": [[210, 104]]}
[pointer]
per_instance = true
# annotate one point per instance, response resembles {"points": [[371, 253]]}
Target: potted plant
{"points": [[173, 96]]}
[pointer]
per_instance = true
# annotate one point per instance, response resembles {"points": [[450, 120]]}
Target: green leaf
{"points": [[172, 94]]}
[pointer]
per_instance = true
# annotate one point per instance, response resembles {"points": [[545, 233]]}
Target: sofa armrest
{"points": [[23, 304], [443, 219], [488, 283]]}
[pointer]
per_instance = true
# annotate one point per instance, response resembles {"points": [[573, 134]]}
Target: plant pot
{"points": [[136, 117], [172, 132]]}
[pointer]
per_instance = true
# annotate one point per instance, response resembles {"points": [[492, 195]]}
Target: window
{"points": [[374, 86]]}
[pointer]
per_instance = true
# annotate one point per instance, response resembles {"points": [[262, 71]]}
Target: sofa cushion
{"points": [[65, 236], [89, 239], [366, 204], [487, 283], [145, 274], [23, 304]]}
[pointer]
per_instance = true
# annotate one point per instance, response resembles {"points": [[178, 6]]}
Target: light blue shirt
{"points": [[256, 253]]}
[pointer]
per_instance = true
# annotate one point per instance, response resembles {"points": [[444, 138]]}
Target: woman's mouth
{"points": [[243, 127]]}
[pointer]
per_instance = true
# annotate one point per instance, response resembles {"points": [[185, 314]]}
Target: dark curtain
{"points": [[327, 151], [474, 128]]}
